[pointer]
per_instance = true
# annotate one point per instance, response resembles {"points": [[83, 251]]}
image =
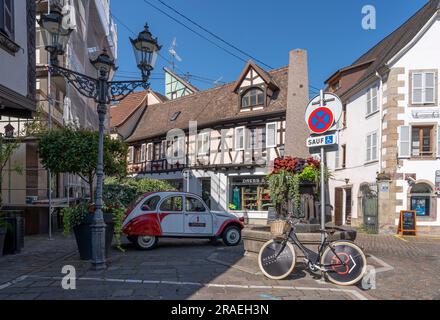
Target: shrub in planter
{"points": [[80, 219]]}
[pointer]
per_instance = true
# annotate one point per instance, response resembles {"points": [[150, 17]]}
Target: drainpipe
{"points": [[381, 120]]}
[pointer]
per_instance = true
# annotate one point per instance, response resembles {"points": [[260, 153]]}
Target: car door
{"points": [[198, 219], [171, 215]]}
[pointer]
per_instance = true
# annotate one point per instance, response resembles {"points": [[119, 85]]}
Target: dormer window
{"points": [[253, 97]]}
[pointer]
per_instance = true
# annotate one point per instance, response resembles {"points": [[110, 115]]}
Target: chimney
{"points": [[297, 99]]}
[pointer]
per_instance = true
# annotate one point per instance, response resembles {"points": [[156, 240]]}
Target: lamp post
{"points": [[103, 91]]}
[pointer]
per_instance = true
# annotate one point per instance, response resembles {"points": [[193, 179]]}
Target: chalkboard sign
{"points": [[408, 223]]}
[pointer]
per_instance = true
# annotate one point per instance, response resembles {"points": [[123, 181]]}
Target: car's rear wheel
{"points": [[232, 236], [146, 242]]}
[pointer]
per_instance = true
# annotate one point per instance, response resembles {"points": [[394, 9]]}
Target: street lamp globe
{"points": [[55, 36], [103, 63], [145, 49]]}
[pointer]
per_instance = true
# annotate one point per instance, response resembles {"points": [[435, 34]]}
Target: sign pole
{"points": [[322, 98], [322, 191]]}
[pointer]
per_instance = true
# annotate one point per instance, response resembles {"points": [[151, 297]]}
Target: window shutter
{"points": [[429, 87], [417, 88], [404, 142], [438, 141]]}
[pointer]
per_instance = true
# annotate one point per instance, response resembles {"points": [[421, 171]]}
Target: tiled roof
{"points": [[207, 107], [386, 49], [119, 113]]}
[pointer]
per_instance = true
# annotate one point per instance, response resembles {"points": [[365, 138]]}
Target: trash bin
{"points": [[14, 239]]}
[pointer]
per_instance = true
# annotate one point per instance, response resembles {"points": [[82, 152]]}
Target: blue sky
{"points": [[330, 31]]}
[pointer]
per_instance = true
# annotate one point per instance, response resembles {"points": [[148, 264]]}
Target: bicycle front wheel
{"points": [[276, 262], [354, 265]]}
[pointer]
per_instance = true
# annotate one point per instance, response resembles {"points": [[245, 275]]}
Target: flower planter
{"points": [[83, 236], [2, 240]]}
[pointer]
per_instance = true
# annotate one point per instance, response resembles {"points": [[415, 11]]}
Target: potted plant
{"points": [[67, 150], [285, 182]]}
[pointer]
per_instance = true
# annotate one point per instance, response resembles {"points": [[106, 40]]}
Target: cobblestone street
{"points": [[195, 269]]}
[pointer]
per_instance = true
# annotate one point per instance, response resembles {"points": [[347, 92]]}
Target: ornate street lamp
{"points": [[145, 49], [55, 36], [103, 92]]}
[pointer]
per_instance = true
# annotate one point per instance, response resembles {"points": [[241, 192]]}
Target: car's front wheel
{"points": [[146, 242], [232, 236]]}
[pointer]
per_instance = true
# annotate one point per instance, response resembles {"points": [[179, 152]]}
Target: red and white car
{"points": [[178, 215]]}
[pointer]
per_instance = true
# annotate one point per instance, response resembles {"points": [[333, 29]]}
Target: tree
{"points": [[67, 150]]}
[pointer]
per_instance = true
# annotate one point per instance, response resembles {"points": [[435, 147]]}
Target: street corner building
{"points": [[219, 142], [28, 94], [389, 154]]}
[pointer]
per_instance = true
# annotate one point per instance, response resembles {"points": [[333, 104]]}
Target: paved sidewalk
{"points": [[195, 269]]}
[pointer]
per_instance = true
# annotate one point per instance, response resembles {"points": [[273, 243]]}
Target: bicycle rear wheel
{"points": [[274, 263], [353, 258]]}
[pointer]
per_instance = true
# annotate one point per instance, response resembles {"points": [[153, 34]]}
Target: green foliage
{"points": [[73, 151], [284, 185], [73, 216], [309, 174]]}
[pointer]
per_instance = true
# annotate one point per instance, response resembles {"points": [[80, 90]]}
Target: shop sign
{"points": [[250, 181]]}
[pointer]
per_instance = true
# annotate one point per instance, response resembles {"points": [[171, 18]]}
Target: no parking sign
{"points": [[323, 113]]}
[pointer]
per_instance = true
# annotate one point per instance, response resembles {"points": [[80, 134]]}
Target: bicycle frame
{"points": [[313, 257]]}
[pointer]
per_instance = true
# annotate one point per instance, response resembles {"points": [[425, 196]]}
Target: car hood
{"points": [[224, 214]]}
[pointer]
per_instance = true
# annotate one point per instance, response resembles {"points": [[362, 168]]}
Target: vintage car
{"points": [[178, 215]]}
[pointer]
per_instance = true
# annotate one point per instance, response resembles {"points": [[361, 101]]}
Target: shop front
{"points": [[249, 196]]}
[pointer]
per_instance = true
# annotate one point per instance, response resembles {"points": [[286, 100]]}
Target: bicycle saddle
{"points": [[328, 231]]}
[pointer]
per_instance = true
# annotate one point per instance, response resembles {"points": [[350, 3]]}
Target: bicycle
{"points": [[341, 262]]}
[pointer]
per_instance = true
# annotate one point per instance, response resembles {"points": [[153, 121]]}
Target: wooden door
{"points": [[339, 197]]}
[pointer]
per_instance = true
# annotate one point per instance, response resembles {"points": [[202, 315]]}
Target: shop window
{"points": [[422, 199], [249, 194], [252, 98]]}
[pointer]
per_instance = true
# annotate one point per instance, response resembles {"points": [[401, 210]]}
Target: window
{"points": [[151, 204], [249, 194], [172, 204], [344, 156], [7, 18], [175, 116], [423, 87], [271, 135], [203, 143], [255, 138], [143, 151], [421, 199], [130, 154], [150, 152], [372, 147], [178, 147], [344, 116], [337, 156], [239, 138], [194, 205], [372, 101], [163, 150], [421, 142], [252, 98]]}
